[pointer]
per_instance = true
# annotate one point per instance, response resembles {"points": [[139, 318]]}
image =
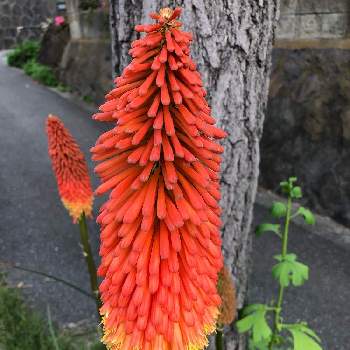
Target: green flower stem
{"points": [[84, 238], [286, 227], [219, 339], [278, 310]]}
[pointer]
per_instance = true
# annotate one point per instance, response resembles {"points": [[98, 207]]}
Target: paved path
{"points": [[36, 232], [35, 229]]}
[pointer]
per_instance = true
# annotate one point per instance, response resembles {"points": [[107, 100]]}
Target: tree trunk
{"points": [[232, 47]]}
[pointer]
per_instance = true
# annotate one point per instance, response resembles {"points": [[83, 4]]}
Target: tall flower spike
{"points": [[160, 241], [70, 169]]}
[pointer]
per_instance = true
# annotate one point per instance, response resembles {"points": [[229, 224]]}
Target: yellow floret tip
{"points": [[76, 209]]}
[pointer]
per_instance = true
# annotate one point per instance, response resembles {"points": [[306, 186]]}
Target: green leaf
{"points": [[264, 345], [279, 343], [307, 214], [304, 338], [260, 229], [51, 330], [289, 270], [285, 187], [296, 192], [254, 321], [288, 187], [251, 308], [278, 209]]}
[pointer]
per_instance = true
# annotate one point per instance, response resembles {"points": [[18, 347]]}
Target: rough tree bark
{"points": [[232, 46]]}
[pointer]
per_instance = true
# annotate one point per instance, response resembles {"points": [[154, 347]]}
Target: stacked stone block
{"points": [[314, 19], [28, 14], [307, 126]]}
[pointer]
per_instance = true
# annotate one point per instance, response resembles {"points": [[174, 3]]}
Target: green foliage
{"points": [[303, 337], [25, 56], [41, 73], [264, 345], [21, 328], [88, 99], [296, 192], [262, 228], [287, 186], [255, 318], [289, 270], [278, 210], [308, 216], [23, 53], [63, 88], [51, 330]]}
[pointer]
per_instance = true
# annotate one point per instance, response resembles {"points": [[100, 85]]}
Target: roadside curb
{"points": [[76, 99]]}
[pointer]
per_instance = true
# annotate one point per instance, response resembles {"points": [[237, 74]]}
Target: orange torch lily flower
{"points": [[70, 169], [160, 241]]}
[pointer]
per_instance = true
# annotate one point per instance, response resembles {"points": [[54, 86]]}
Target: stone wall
{"points": [[307, 127], [86, 68], [28, 14], [86, 63], [314, 19]]}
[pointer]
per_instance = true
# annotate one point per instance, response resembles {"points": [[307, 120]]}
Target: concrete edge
{"points": [[299, 44], [76, 99], [325, 227]]}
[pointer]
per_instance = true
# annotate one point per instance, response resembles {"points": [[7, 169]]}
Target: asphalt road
{"points": [[35, 229], [36, 232]]}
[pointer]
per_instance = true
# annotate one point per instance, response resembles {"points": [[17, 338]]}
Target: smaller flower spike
{"points": [[70, 169]]}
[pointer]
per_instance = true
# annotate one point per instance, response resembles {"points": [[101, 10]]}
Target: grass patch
{"points": [[22, 328], [40, 73], [23, 53], [88, 99], [25, 56], [63, 88]]}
